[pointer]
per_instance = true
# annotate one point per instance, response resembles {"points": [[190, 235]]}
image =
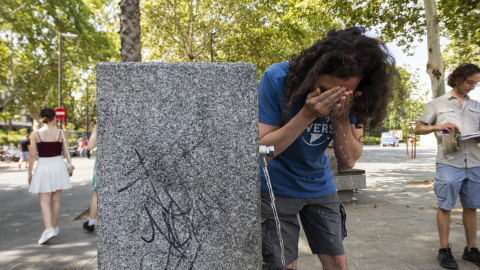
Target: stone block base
{"points": [[346, 183]]}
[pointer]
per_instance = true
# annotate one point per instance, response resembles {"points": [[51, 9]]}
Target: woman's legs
{"points": [[50, 207], [93, 206], [56, 198], [89, 225], [45, 208]]}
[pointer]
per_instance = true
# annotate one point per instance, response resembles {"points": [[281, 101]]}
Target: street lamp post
{"points": [[60, 35]]}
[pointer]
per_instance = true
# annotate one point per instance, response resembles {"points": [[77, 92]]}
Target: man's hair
{"points": [[461, 73], [344, 54]]}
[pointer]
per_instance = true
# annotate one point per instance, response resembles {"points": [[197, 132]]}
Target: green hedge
{"points": [[11, 137], [371, 141]]}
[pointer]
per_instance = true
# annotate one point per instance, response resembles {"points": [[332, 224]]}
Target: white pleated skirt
{"points": [[50, 175]]}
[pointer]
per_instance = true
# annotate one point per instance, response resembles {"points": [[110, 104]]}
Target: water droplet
{"points": [[346, 141]]}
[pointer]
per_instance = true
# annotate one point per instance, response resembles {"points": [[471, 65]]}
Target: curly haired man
{"points": [[329, 91]]}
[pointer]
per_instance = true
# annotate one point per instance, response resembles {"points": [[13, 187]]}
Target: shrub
{"points": [[371, 141], [11, 137]]}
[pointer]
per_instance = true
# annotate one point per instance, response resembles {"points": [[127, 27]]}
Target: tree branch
{"points": [[45, 102]]}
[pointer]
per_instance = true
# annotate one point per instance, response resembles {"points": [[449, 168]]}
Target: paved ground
{"points": [[21, 223], [391, 225]]}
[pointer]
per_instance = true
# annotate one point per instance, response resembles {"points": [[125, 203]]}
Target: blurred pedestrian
{"points": [[87, 150], [24, 148], [81, 147], [51, 175], [90, 224]]}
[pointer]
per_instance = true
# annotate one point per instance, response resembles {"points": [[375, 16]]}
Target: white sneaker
{"points": [[46, 235], [57, 231]]}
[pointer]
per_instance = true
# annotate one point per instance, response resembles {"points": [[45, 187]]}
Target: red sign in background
{"points": [[61, 113]]}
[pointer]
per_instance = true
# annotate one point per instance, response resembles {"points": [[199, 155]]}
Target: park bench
{"points": [[346, 181]]}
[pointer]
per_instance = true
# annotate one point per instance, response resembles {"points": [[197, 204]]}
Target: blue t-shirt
{"points": [[303, 169]]}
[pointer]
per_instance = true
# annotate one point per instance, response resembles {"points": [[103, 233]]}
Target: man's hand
{"points": [[320, 104], [448, 127], [345, 104]]}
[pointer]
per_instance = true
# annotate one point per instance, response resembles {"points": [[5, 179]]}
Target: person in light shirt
{"points": [[457, 173]]}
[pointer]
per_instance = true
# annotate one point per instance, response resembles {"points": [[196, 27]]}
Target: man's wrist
{"points": [[304, 114], [339, 119]]}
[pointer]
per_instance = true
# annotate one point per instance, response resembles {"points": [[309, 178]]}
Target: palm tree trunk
{"points": [[130, 31]]}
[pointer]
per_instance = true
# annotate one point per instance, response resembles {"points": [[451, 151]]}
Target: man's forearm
{"points": [[424, 129], [348, 148], [283, 137]]}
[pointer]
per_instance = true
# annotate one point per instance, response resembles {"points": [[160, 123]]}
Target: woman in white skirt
{"points": [[51, 175]]}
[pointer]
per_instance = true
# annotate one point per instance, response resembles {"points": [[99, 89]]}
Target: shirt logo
{"points": [[318, 133]]}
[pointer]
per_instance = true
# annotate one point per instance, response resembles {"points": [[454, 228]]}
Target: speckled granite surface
{"points": [[178, 171]]}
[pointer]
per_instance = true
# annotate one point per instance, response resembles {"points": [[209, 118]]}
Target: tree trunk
{"points": [[406, 140], [435, 65], [415, 146], [36, 124], [130, 32]]}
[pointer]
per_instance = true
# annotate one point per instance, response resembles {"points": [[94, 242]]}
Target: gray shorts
{"points": [[451, 182], [323, 221], [24, 154]]}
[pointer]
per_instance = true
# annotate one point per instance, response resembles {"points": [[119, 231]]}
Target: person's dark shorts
{"points": [[323, 221]]}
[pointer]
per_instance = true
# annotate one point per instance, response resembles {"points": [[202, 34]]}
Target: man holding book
{"points": [[458, 161]]}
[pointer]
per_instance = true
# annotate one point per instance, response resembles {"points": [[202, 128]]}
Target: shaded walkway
{"points": [[392, 224]]}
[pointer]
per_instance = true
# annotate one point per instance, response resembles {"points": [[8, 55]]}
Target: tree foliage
{"points": [[405, 21], [461, 19], [401, 21], [29, 32], [404, 110], [457, 52], [462, 23], [258, 31]]}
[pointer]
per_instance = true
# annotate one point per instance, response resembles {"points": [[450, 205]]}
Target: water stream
{"points": [[268, 151]]}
